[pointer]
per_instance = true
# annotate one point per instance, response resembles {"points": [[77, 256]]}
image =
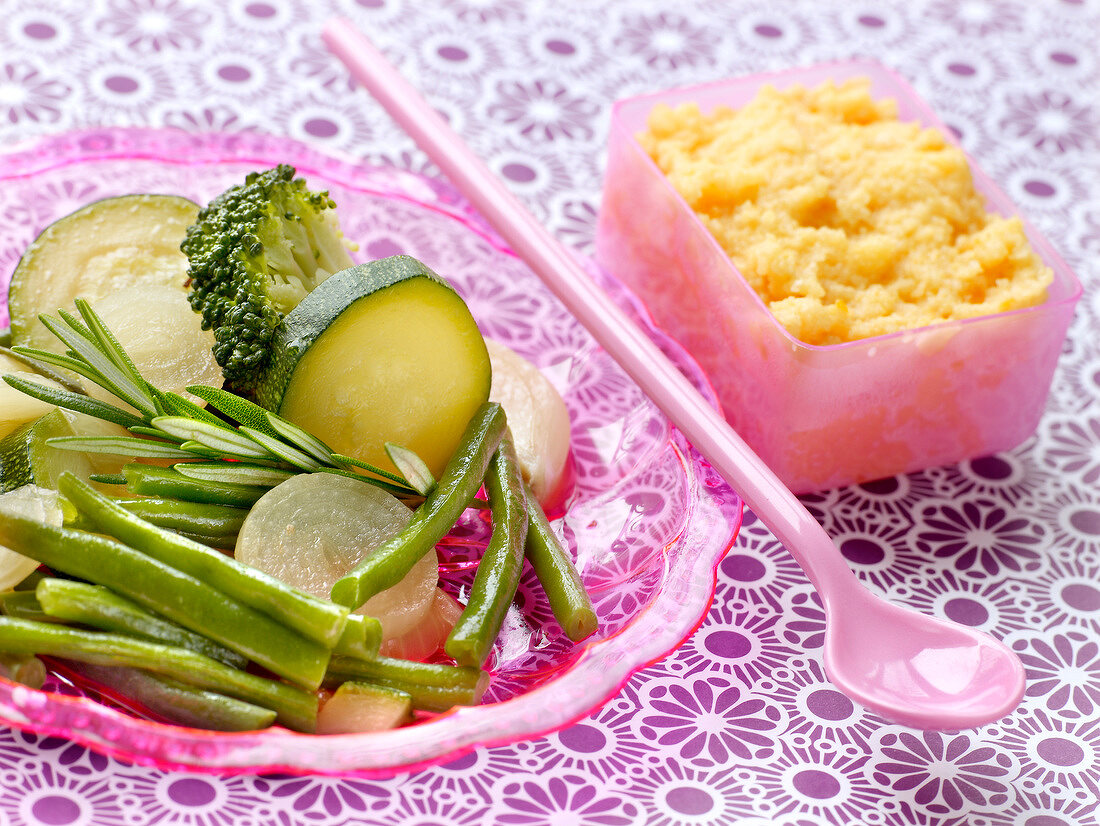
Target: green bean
{"points": [[313, 618], [24, 605], [432, 686], [105, 610], [361, 638], [558, 576], [171, 593], [460, 480], [195, 518], [26, 669], [294, 708], [151, 480], [177, 702], [497, 578]]}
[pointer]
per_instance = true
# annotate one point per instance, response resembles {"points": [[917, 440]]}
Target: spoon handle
{"points": [[642, 360]]}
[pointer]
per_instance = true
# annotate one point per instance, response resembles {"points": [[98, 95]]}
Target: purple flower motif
{"points": [[1075, 447], [1059, 757], [318, 798], [28, 94], [802, 622], [981, 537], [154, 25], [890, 497], [818, 712], [712, 721], [542, 800], [996, 607], [1051, 121], [757, 570], [604, 745], [1063, 671], [975, 17], [207, 117], [674, 794], [579, 225], [944, 773], [820, 784], [742, 643], [873, 546], [666, 40], [544, 110], [1066, 595], [484, 11], [44, 794]]}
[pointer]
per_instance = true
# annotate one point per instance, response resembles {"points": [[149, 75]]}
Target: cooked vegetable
{"points": [[558, 576], [537, 417], [26, 458], [357, 707], [173, 427], [497, 578], [16, 407], [23, 668], [312, 529], [171, 593], [382, 352], [432, 686], [313, 618], [430, 633], [150, 480], [95, 251], [40, 504], [216, 525], [101, 608], [254, 252], [432, 520], [154, 324], [177, 702], [295, 708]]}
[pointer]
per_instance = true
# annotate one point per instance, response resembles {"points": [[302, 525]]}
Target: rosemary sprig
{"points": [[250, 445]]}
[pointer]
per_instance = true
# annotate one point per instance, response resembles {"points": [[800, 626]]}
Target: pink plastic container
{"points": [[825, 416]]}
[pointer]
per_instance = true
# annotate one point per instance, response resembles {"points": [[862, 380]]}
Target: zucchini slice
{"points": [[381, 352], [94, 252]]}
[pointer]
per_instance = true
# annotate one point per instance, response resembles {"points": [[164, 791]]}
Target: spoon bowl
{"points": [[914, 669]]}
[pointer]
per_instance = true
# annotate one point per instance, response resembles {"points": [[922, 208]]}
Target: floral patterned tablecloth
{"points": [[740, 724]]}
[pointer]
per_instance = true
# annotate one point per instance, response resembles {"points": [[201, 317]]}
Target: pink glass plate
{"points": [[648, 519]]}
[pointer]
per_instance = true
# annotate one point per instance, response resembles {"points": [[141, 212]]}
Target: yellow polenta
{"points": [[847, 222]]}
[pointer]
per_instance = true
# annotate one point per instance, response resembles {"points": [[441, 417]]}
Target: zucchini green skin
{"points": [[34, 290], [303, 325]]}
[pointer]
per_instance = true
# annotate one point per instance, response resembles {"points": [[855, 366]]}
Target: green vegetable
{"points": [[254, 252], [432, 686], [497, 578], [171, 593], [24, 605], [27, 459], [361, 638], [313, 618], [214, 522], [175, 427], [556, 573], [382, 352], [461, 478], [177, 702], [99, 249], [295, 708], [162, 482], [101, 608]]}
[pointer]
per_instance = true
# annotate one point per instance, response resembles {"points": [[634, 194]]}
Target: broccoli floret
{"points": [[254, 252]]}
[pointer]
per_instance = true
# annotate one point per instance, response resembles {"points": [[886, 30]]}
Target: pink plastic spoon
{"points": [[911, 668]]}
